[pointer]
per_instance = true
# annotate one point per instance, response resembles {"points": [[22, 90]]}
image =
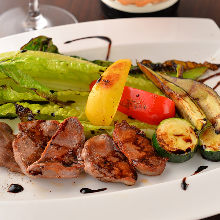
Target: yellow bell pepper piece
{"points": [[105, 96]]}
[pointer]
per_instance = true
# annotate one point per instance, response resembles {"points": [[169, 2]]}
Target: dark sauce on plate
{"points": [[184, 184], [15, 188], [209, 77], [216, 86], [87, 190], [99, 37]]}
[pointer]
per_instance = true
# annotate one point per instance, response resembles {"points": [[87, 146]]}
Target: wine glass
{"points": [[17, 20]]}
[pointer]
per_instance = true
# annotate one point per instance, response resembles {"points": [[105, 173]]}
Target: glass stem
{"points": [[33, 9], [35, 20]]}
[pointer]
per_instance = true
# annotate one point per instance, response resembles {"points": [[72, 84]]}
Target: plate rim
{"points": [[112, 194]]}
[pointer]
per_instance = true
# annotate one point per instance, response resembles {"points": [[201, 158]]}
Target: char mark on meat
{"points": [[61, 157], [6, 151], [104, 161], [133, 143], [31, 141]]}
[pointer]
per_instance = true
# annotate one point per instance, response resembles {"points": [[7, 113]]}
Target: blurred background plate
{"points": [[148, 8]]}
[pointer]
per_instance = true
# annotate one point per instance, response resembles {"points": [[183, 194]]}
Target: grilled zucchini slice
{"points": [[210, 144], [175, 139]]}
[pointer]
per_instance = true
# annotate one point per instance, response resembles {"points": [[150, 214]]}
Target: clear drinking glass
{"points": [[18, 20]]}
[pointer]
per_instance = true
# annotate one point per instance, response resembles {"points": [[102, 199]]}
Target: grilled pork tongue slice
{"points": [[6, 151], [103, 161], [61, 157], [137, 148], [32, 140]]}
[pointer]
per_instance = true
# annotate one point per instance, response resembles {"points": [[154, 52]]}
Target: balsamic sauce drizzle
{"points": [[99, 37], [216, 86], [15, 188], [87, 190], [209, 77], [184, 184]]}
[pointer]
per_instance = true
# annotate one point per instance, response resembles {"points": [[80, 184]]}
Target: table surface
{"points": [[91, 10]]}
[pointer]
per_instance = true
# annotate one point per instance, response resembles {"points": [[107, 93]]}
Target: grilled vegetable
{"points": [[194, 73], [55, 71], [50, 110], [105, 96], [210, 144], [41, 43], [26, 81], [185, 105], [206, 97], [169, 66], [175, 139], [145, 106], [7, 94]]}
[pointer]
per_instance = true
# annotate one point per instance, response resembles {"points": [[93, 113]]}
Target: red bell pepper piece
{"points": [[145, 106]]}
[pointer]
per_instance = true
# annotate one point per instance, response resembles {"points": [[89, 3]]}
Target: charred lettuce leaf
{"points": [[54, 71], [41, 43]]}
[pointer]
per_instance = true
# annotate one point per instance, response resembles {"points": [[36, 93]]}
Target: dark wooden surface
{"points": [[90, 10]]}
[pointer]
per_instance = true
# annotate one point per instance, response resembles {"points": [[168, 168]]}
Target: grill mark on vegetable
{"points": [[25, 114], [130, 117], [105, 38], [8, 117], [99, 79], [36, 102], [184, 184]]}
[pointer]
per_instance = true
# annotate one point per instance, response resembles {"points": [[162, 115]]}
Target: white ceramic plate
{"points": [[158, 197], [135, 9]]}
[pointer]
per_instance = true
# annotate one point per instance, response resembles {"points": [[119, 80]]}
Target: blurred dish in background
{"points": [[139, 6], [139, 3]]}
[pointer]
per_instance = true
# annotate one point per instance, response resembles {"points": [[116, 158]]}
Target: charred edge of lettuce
{"points": [[41, 43], [25, 114]]}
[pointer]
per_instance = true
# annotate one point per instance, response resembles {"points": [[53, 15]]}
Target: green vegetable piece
{"points": [[92, 130], [143, 84], [194, 73], [7, 94], [210, 144], [55, 71], [25, 80], [8, 111], [175, 139], [41, 43], [104, 63]]}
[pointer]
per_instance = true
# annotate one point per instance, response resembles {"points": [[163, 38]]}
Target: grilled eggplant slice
{"points": [[187, 108], [206, 97]]}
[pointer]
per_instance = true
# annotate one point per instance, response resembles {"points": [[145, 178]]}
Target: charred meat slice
{"points": [[61, 158], [104, 161], [6, 151], [137, 148], [32, 140]]}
